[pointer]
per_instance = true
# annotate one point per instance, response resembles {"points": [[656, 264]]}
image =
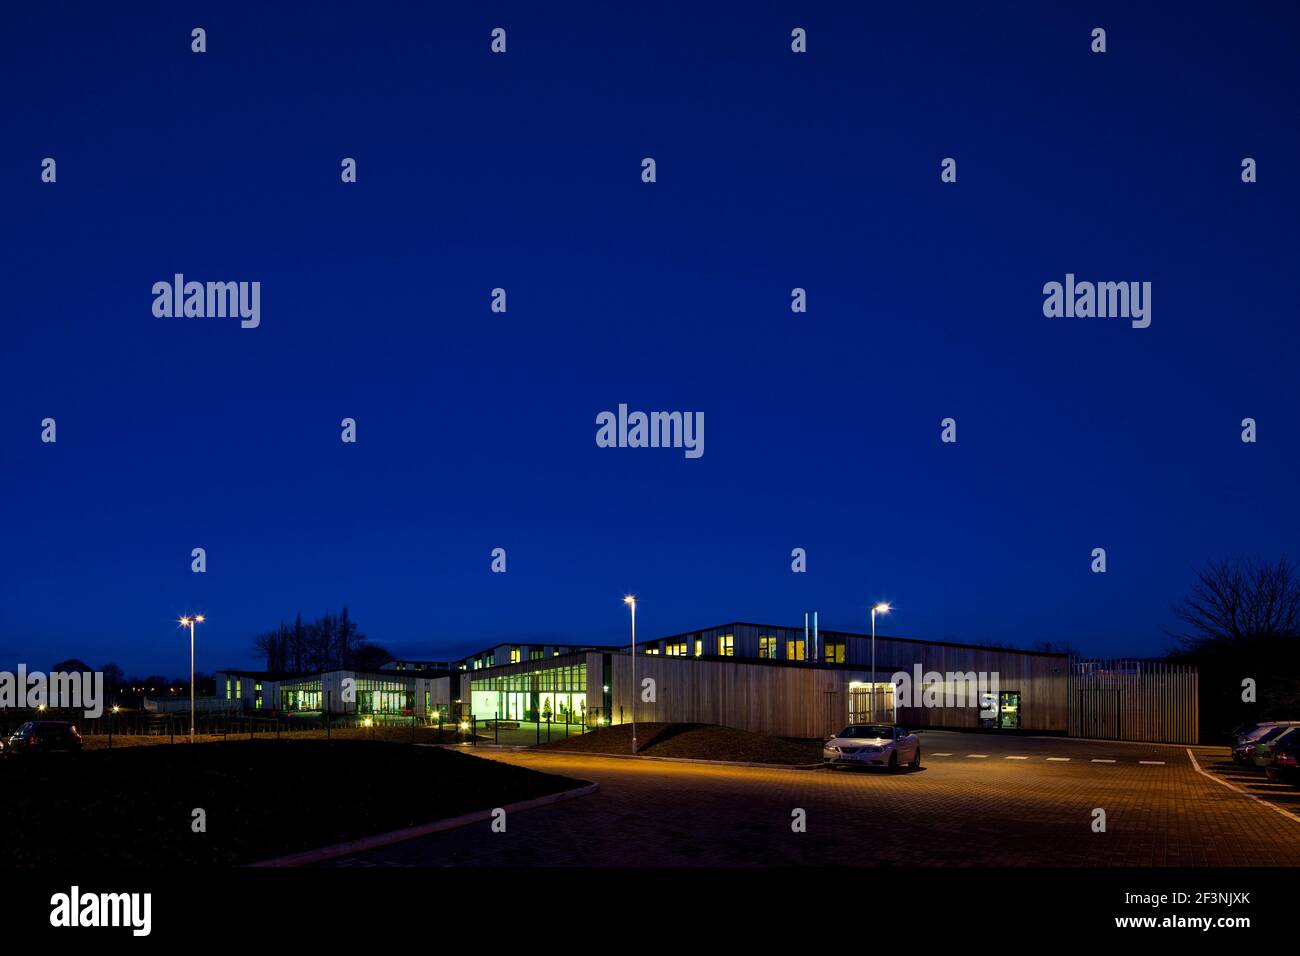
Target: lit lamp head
{"points": [[881, 608], [630, 601]]}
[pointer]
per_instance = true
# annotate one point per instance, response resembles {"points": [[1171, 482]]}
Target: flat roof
{"points": [[879, 637]]}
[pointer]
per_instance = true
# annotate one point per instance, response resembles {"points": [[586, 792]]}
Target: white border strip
{"points": [[1245, 793]]}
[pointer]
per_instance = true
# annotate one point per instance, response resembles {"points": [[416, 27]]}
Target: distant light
{"points": [[367, 722], [629, 599], [464, 725], [200, 619], [882, 608]]}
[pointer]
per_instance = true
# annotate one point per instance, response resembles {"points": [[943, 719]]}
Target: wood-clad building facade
{"points": [[794, 682]]}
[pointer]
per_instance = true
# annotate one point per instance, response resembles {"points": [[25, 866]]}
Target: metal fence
{"points": [[1147, 701], [166, 728]]}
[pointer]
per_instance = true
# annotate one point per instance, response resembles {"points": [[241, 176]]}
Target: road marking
{"points": [[977, 755], [1064, 759], [1153, 763], [1099, 760], [940, 755], [1272, 806], [1017, 758]]}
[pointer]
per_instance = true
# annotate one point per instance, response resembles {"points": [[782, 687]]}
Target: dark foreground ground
{"points": [[984, 801], [134, 806], [696, 742]]}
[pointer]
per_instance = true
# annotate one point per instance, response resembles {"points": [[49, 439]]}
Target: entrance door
{"points": [[1009, 710]]}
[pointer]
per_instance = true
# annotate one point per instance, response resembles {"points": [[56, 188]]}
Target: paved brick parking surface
{"points": [[1248, 778], [957, 810]]}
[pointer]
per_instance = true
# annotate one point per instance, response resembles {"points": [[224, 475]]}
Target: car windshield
{"points": [[868, 731], [1259, 731], [1272, 733]]}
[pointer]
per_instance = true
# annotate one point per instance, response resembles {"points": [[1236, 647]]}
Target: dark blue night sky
{"points": [[477, 430]]}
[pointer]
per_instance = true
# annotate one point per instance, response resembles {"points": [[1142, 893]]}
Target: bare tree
{"points": [[298, 645], [321, 642], [348, 639], [328, 643], [1240, 601]]}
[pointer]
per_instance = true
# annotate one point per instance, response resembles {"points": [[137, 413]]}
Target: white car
{"points": [[872, 745]]}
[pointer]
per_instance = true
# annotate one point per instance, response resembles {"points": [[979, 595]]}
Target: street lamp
{"points": [[630, 601], [881, 608], [190, 622]]}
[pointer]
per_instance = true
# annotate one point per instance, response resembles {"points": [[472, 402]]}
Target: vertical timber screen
{"points": [[1147, 701]]}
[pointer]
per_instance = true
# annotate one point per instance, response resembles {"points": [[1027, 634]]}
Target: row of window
{"points": [[769, 647], [516, 657], [570, 678], [235, 691]]}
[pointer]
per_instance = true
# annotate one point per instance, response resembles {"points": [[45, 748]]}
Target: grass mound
{"points": [[694, 741]]}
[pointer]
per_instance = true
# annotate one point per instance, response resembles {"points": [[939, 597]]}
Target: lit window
{"points": [[794, 650], [514, 655], [726, 645], [227, 688], [766, 646], [835, 652], [699, 647], [675, 650]]}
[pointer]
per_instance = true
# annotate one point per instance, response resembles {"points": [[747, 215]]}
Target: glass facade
{"points": [[377, 696], [374, 695], [301, 694], [554, 693]]}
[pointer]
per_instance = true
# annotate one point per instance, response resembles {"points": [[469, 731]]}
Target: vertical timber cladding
{"points": [[1145, 701], [808, 701], [784, 701], [1040, 679]]}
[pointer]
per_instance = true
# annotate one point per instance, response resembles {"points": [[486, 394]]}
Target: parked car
{"points": [[1269, 743], [1256, 730], [43, 736], [1285, 765], [1245, 749], [872, 745]]}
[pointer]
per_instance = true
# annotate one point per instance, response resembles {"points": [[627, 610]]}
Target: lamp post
{"points": [[881, 608], [191, 621], [630, 601]]}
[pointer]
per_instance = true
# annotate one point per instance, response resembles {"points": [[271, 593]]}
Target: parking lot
{"points": [[978, 800]]}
